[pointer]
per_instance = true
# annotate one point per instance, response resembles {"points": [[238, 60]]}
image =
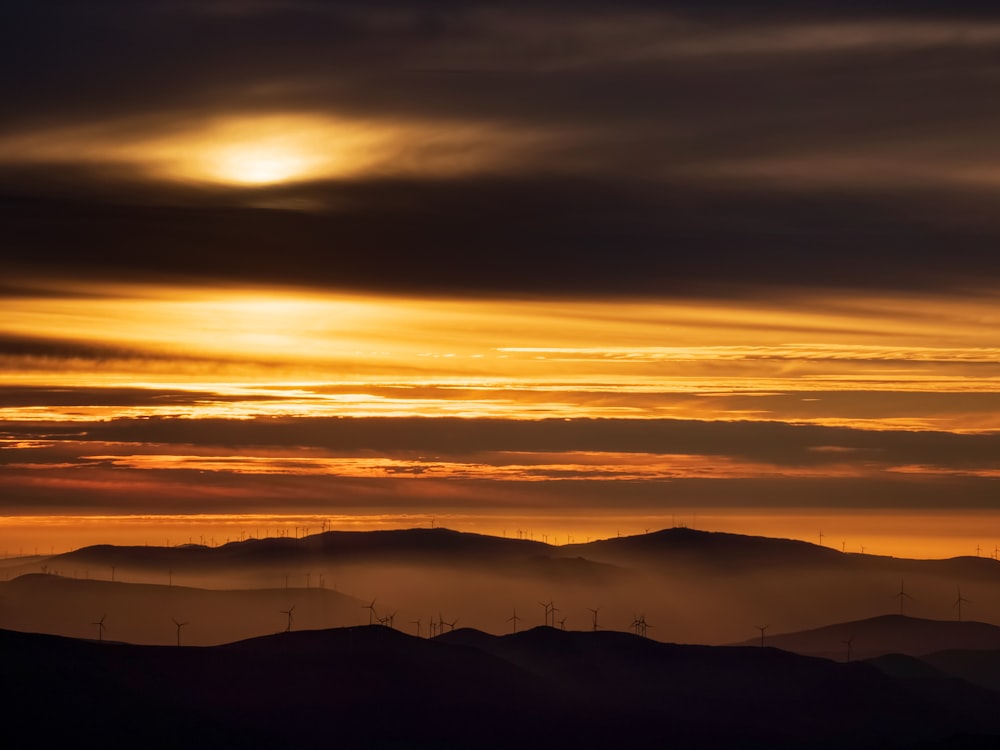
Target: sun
{"points": [[262, 163]]}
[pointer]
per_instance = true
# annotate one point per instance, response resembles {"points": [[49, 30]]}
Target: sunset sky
{"points": [[559, 269]]}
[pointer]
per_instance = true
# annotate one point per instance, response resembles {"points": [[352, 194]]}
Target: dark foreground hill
{"points": [[376, 687]]}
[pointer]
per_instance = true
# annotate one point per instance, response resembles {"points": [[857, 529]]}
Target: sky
{"points": [[561, 270]]}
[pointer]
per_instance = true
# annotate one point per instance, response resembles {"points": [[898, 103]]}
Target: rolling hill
{"points": [[376, 687]]}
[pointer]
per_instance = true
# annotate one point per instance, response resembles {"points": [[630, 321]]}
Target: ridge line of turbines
{"points": [[639, 625]]}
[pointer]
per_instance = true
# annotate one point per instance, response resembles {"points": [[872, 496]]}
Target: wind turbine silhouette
{"points": [[548, 611], [903, 596], [762, 628], [849, 642], [451, 625], [958, 603], [562, 623], [179, 626], [371, 612], [639, 624], [417, 623], [514, 618], [288, 612], [100, 628], [594, 618], [645, 625]]}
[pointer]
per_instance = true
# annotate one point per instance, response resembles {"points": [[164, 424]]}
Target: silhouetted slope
{"points": [[376, 687], [144, 613], [682, 545], [659, 549], [888, 634], [754, 694], [978, 667], [406, 545]]}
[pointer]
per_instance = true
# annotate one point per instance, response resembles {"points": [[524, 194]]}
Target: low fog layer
{"points": [[689, 587]]}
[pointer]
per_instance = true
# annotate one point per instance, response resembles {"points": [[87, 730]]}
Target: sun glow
{"points": [[281, 352], [259, 149], [261, 164]]}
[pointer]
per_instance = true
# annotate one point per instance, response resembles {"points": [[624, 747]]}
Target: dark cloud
{"points": [[767, 442], [34, 396], [681, 147], [560, 236]]}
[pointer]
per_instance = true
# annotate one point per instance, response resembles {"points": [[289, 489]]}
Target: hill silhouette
{"points": [[144, 613], [408, 545], [680, 545], [376, 687], [979, 667], [684, 545], [886, 634], [693, 586]]}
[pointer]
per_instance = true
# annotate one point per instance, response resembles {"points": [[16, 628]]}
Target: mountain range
{"points": [[377, 687]]}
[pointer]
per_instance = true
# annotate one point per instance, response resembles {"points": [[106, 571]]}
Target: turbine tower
{"points": [[594, 618], [372, 616], [548, 609], [903, 596], [100, 628], [849, 642], [179, 626], [288, 612], [639, 625], [762, 628], [958, 603], [514, 618]]}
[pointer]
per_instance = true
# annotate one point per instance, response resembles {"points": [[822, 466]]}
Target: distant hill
{"points": [[887, 634], [713, 548], [400, 544], [693, 586], [979, 667], [145, 613], [681, 546], [376, 687]]}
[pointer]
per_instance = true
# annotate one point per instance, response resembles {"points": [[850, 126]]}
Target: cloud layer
{"points": [[470, 147]]}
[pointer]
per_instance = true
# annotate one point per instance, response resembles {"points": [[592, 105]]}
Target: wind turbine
{"points": [[371, 612], [643, 624], [100, 628], [417, 623], [958, 603], [594, 613], [179, 626], [290, 618], [902, 595], [451, 625], [848, 643], [547, 606], [639, 624], [514, 618], [762, 628], [562, 623]]}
